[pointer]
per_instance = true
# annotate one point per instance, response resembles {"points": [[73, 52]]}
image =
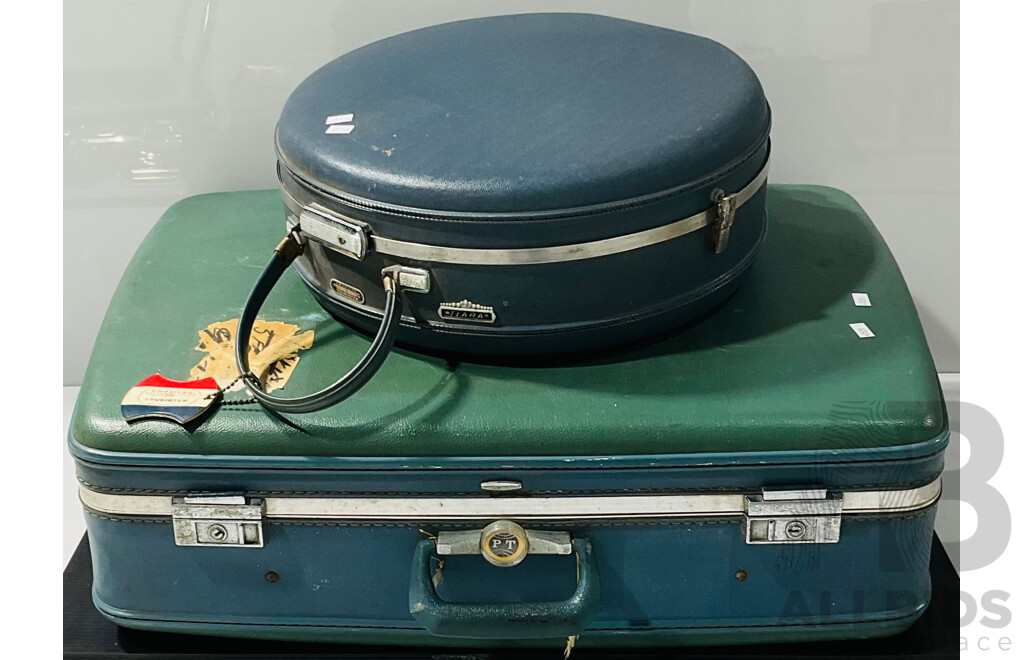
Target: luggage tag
{"points": [[181, 401], [274, 351]]}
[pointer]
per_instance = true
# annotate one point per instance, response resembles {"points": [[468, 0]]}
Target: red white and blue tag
{"points": [[181, 401]]}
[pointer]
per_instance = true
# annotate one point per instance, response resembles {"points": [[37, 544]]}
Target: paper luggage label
{"points": [[273, 353]]}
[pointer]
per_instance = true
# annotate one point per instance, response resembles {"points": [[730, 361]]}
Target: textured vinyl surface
{"points": [[525, 113]]}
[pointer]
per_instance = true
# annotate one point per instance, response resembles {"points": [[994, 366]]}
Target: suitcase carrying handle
{"points": [[284, 254], [505, 620]]}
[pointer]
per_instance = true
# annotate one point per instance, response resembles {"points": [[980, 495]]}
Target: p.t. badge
{"points": [[180, 401]]}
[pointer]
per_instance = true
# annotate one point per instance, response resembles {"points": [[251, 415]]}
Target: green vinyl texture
{"points": [[776, 368]]}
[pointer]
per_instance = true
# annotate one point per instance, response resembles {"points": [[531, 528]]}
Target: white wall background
{"points": [[171, 99]]}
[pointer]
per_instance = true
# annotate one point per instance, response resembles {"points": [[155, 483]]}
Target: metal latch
{"points": [[504, 543], [725, 212], [340, 233], [793, 516], [219, 520]]}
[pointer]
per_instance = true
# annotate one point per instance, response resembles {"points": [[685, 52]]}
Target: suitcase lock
{"points": [[228, 521], [504, 543], [793, 516]]}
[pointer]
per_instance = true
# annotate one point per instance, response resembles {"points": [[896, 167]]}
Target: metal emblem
{"points": [[466, 311], [347, 291], [504, 543]]}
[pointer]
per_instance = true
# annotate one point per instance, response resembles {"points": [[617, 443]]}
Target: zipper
{"points": [[317, 188]]}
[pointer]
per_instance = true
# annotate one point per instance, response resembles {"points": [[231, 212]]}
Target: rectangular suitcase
{"points": [[769, 474]]}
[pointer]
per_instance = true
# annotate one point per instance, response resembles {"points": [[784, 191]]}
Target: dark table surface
{"points": [[88, 635]]}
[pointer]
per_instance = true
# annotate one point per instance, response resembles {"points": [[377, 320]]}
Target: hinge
{"points": [[229, 521], [725, 212], [793, 516], [413, 280]]}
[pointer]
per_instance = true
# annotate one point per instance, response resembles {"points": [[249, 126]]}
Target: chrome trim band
{"points": [[615, 507], [545, 255]]}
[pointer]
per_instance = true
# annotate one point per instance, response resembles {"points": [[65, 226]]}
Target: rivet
{"points": [[741, 575], [272, 576]]}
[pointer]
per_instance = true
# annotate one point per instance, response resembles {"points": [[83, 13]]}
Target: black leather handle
{"points": [[286, 252]]}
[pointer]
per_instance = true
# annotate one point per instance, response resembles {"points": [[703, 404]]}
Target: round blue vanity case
{"points": [[530, 185], [545, 183]]}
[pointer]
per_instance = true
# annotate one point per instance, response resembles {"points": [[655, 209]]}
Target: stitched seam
{"points": [[710, 489], [586, 630], [89, 512], [599, 466], [752, 625], [824, 624], [276, 625]]}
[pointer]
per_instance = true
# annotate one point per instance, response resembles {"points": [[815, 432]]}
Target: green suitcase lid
{"points": [[778, 368]]}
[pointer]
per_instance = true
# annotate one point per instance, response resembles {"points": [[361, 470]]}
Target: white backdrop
{"points": [[171, 99]]}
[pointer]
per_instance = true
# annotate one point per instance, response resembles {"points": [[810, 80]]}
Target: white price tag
{"points": [[861, 300], [862, 330]]}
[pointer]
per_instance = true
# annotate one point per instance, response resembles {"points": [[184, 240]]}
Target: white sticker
{"points": [[862, 330], [343, 129], [339, 119], [861, 300]]}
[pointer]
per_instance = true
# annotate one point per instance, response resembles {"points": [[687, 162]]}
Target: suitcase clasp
{"points": [[793, 516], [340, 233], [229, 521]]}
